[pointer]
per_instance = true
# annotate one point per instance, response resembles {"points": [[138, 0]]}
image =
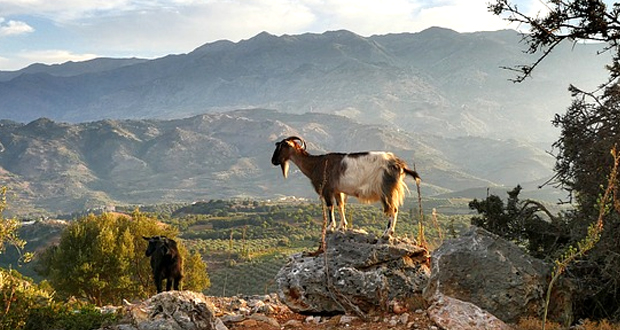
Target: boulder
{"points": [[454, 314], [482, 268], [170, 310], [357, 273]]}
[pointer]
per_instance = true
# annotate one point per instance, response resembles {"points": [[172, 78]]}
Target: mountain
{"points": [[435, 81], [59, 167]]}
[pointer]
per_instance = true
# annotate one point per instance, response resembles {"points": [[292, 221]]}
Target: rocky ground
{"points": [[266, 312]]}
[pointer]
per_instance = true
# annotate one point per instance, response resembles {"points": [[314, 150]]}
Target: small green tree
{"points": [[8, 228], [521, 222], [101, 259]]}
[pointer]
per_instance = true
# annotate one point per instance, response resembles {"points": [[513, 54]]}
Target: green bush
{"points": [[18, 295], [67, 317]]}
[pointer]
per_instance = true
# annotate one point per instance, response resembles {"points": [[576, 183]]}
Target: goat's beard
{"points": [[284, 166]]}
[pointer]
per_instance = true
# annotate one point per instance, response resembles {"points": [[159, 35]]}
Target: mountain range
{"points": [[202, 125], [60, 167], [436, 80]]}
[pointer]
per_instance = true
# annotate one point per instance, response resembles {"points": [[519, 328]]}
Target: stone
{"points": [[170, 310], [482, 268], [248, 323], [454, 314], [347, 319], [265, 319], [363, 273], [292, 324]]}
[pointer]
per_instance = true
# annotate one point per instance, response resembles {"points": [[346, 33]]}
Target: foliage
{"points": [[8, 229], [101, 259], [67, 316], [594, 233], [18, 295], [589, 130], [565, 20], [527, 223]]}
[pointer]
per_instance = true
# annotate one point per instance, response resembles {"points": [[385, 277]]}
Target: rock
{"points": [[292, 324], [453, 314], [347, 319], [265, 319], [494, 274], [248, 323], [173, 310], [364, 273]]}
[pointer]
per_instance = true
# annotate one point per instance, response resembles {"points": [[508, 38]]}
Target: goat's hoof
{"points": [[387, 236], [313, 253]]}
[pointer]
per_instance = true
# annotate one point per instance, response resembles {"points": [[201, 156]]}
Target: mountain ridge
{"points": [[432, 80], [58, 167]]}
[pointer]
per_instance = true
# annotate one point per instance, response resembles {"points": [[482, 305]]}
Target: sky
{"points": [[57, 31]]}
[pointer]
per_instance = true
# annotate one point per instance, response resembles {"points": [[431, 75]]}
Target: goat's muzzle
{"points": [[279, 159]]}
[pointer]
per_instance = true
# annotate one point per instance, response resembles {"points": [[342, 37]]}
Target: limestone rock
{"points": [[494, 274], [171, 310], [453, 314], [362, 272]]}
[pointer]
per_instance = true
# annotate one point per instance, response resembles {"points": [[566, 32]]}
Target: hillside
{"points": [[436, 80], [55, 167]]}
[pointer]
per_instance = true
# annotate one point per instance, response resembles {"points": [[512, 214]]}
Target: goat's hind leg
{"points": [[391, 225], [340, 201]]}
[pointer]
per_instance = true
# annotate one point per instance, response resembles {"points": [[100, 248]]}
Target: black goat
{"points": [[166, 262]]}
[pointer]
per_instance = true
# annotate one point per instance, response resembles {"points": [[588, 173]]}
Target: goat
{"points": [[368, 176], [166, 262]]}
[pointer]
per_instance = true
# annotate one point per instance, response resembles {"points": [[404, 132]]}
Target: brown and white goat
{"points": [[368, 176]]}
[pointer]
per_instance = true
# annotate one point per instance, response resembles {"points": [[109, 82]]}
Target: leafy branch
{"points": [[594, 232]]}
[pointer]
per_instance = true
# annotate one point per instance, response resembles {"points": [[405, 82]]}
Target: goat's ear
{"points": [[146, 238]]}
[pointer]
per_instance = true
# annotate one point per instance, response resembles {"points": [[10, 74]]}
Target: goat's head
{"points": [[155, 243], [284, 150]]}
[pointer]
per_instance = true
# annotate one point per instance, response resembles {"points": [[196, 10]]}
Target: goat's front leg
{"points": [[391, 225], [168, 283], [329, 203], [158, 282]]}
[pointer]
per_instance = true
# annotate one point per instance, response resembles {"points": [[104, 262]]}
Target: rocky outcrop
{"points": [[171, 310], [358, 273], [494, 274]]}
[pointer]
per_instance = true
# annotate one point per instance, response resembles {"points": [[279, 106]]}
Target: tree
{"points": [[17, 294], [8, 227], [565, 21], [522, 222], [101, 259], [589, 130]]}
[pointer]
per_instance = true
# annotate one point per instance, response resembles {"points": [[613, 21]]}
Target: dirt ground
{"points": [[268, 313], [384, 322]]}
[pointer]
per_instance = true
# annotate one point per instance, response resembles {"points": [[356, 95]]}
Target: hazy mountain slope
{"points": [[72, 68], [63, 167], [436, 81]]}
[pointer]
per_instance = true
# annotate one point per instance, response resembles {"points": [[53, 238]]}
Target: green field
{"points": [[246, 242]]}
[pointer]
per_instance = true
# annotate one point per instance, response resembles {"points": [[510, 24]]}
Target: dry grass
{"points": [[536, 324]]}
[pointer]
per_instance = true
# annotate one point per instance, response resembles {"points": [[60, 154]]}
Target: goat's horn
{"points": [[292, 138]]}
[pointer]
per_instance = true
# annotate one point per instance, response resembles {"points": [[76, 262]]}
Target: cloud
{"points": [[23, 59], [11, 27], [53, 56]]}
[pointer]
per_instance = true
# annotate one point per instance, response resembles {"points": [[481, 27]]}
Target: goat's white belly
{"points": [[365, 186]]}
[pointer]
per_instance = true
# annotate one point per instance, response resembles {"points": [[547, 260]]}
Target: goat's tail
{"points": [[414, 174]]}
